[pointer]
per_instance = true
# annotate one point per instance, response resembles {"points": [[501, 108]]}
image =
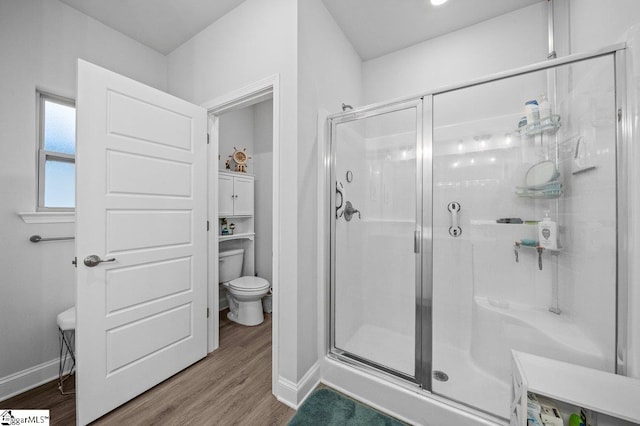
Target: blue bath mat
{"points": [[328, 408]]}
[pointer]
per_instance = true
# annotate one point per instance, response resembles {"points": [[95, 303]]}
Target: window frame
{"points": [[43, 155]]}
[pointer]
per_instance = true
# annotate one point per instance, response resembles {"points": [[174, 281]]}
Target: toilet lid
{"points": [[249, 283]]}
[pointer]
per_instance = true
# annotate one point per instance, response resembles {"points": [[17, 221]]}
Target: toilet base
{"points": [[247, 313]]}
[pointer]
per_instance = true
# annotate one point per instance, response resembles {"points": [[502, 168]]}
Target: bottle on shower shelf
{"points": [[548, 233], [532, 111], [544, 108]]}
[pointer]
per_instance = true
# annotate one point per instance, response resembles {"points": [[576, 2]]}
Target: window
{"points": [[56, 153]]}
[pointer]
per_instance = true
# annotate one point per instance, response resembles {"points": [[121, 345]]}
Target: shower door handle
{"points": [[339, 206], [416, 242]]}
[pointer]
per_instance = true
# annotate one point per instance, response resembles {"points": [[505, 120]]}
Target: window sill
{"points": [[48, 217]]}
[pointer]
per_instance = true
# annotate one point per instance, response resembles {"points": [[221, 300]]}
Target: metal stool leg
{"points": [[67, 338]]}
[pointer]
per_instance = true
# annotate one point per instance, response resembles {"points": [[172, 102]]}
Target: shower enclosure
{"points": [[439, 266]]}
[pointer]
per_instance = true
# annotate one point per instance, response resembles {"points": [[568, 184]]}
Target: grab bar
{"points": [[38, 238]]}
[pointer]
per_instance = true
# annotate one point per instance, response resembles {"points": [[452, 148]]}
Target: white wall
{"points": [[329, 73], [252, 42], [508, 41], [594, 24], [40, 42], [263, 171]]}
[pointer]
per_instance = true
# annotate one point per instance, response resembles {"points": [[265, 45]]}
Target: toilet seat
{"points": [[248, 284]]}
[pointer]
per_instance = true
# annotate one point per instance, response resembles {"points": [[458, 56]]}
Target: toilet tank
{"points": [[230, 262]]}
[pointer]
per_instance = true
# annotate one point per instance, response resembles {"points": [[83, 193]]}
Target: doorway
{"points": [[247, 118]]}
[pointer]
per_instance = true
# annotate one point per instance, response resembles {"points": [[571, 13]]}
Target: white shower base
{"points": [[470, 384], [382, 346], [479, 369]]}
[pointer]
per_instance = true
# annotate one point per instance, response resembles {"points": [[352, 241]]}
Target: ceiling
{"points": [[162, 25], [374, 27], [378, 27]]}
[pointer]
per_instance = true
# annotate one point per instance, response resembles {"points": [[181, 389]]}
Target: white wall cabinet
{"points": [[614, 399], [235, 195]]}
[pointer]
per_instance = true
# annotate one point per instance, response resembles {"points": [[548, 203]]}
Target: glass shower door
{"points": [[375, 265], [524, 227]]}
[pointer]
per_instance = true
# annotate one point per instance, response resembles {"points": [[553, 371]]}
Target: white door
{"points": [[225, 197], [243, 191], [141, 201]]}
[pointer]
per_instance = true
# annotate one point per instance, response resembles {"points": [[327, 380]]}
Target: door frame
{"points": [[258, 91], [422, 237]]}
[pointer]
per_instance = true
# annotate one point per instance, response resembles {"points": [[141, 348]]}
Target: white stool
{"points": [[67, 328]]}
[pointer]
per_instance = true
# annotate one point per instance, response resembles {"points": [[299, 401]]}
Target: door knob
{"points": [[94, 260]]}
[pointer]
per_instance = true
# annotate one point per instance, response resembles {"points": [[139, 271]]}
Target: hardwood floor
{"points": [[231, 386]]}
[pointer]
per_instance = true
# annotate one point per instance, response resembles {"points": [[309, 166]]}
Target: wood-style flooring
{"points": [[231, 386]]}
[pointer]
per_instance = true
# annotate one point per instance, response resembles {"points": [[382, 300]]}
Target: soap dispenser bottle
{"points": [[548, 232]]}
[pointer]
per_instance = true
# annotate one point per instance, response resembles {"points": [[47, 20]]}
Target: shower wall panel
{"points": [[507, 291]]}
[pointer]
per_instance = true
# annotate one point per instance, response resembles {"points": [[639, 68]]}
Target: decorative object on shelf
{"points": [[224, 228], [240, 158], [231, 228], [227, 164]]}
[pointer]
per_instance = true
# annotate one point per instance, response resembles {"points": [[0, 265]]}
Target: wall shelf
{"points": [[245, 235], [547, 190], [599, 391], [48, 217], [549, 125]]}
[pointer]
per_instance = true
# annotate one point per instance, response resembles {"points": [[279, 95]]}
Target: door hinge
{"points": [[207, 312], [620, 114], [207, 226], [207, 138], [74, 262]]}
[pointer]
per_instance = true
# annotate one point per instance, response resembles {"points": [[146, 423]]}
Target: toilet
{"points": [[244, 294]]}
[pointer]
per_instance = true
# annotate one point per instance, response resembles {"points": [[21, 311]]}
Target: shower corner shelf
{"points": [[549, 125], [519, 245], [548, 190]]}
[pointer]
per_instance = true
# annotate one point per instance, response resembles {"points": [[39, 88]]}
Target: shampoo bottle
{"points": [[548, 233], [532, 111]]}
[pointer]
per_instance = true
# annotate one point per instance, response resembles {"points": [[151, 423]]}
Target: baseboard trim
{"points": [[30, 378], [294, 394]]}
